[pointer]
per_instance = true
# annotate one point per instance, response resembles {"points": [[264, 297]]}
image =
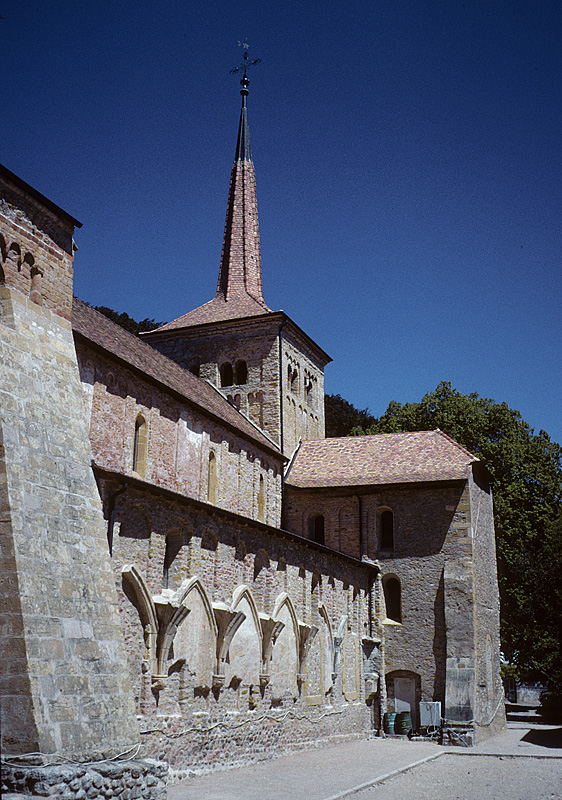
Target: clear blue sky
{"points": [[408, 166]]}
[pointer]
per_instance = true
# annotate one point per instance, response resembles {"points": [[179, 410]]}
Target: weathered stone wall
{"points": [[303, 393], [242, 640], [210, 347], [283, 395], [444, 559], [63, 678], [145, 780], [180, 440], [36, 250], [490, 708]]}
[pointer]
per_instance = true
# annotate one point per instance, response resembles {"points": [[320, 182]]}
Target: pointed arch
{"points": [[138, 592], [238, 595], [196, 586]]}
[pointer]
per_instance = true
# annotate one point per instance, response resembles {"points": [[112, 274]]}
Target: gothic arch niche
{"points": [[196, 641], [285, 654], [139, 624], [350, 664], [244, 654], [318, 669]]}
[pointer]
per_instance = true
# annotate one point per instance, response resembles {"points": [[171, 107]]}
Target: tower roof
{"points": [[239, 288]]}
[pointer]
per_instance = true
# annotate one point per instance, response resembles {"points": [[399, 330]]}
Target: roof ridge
{"points": [[454, 441]]}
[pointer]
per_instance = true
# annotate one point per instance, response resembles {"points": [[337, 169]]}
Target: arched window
{"points": [[386, 532], [241, 370], [140, 446], [316, 529], [392, 597], [261, 500], [227, 378], [212, 479]]}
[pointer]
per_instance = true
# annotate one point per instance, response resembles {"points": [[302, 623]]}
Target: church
{"points": [[190, 568]]}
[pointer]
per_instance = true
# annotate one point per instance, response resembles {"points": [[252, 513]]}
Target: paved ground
{"points": [[522, 764]]}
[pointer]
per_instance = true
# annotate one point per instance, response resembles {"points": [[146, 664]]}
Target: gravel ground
{"points": [[482, 777]]}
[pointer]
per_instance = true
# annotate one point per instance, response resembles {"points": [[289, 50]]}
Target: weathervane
{"points": [[244, 64]]}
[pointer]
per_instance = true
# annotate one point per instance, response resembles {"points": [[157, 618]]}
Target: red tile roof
{"points": [[98, 329], [218, 310], [380, 459]]}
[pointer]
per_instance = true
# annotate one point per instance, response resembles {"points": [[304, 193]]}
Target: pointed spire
{"points": [[240, 269]]}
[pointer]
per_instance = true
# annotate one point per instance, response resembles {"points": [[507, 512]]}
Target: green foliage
{"points": [[341, 416], [527, 485], [127, 322]]}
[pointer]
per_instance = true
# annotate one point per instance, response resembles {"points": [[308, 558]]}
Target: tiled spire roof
{"points": [[239, 289]]}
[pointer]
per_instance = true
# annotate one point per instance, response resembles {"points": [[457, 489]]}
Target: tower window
{"points": [[241, 370], [227, 377]]}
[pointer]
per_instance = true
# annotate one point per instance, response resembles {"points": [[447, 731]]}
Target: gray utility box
{"points": [[430, 715]]}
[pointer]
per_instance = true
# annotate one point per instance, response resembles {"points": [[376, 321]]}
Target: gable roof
{"points": [[102, 332], [380, 459]]}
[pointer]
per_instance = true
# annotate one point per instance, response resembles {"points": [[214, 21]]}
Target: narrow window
{"points": [[316, 531], [241, 372], [212, 479], [227, 378], [392, 597], [386, 530], [140, 446], [261, 500]]}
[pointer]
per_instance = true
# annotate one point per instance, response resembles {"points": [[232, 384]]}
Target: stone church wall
{"points": [[63, 677], [272, 649], [446, 637], [210, 348], [180, 441]]}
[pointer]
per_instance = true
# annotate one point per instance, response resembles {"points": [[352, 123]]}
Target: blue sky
{"points": [[408, 165]]}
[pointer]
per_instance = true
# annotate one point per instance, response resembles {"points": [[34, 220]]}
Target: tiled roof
{"points": [[380, 459], [218, 310], [99, 330], [239, 289]]}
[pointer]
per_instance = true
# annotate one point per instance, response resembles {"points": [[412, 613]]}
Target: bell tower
{"points": [[260, 359]]}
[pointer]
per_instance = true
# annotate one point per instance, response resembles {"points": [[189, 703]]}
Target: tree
{"points": [[341, 416], [527, 486], [128, 323]]}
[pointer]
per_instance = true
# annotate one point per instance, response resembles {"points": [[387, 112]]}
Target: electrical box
{"points": [[430, 715]]}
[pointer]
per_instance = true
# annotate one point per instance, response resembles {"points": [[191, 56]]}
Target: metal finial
{"points": [[244, 64]]}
